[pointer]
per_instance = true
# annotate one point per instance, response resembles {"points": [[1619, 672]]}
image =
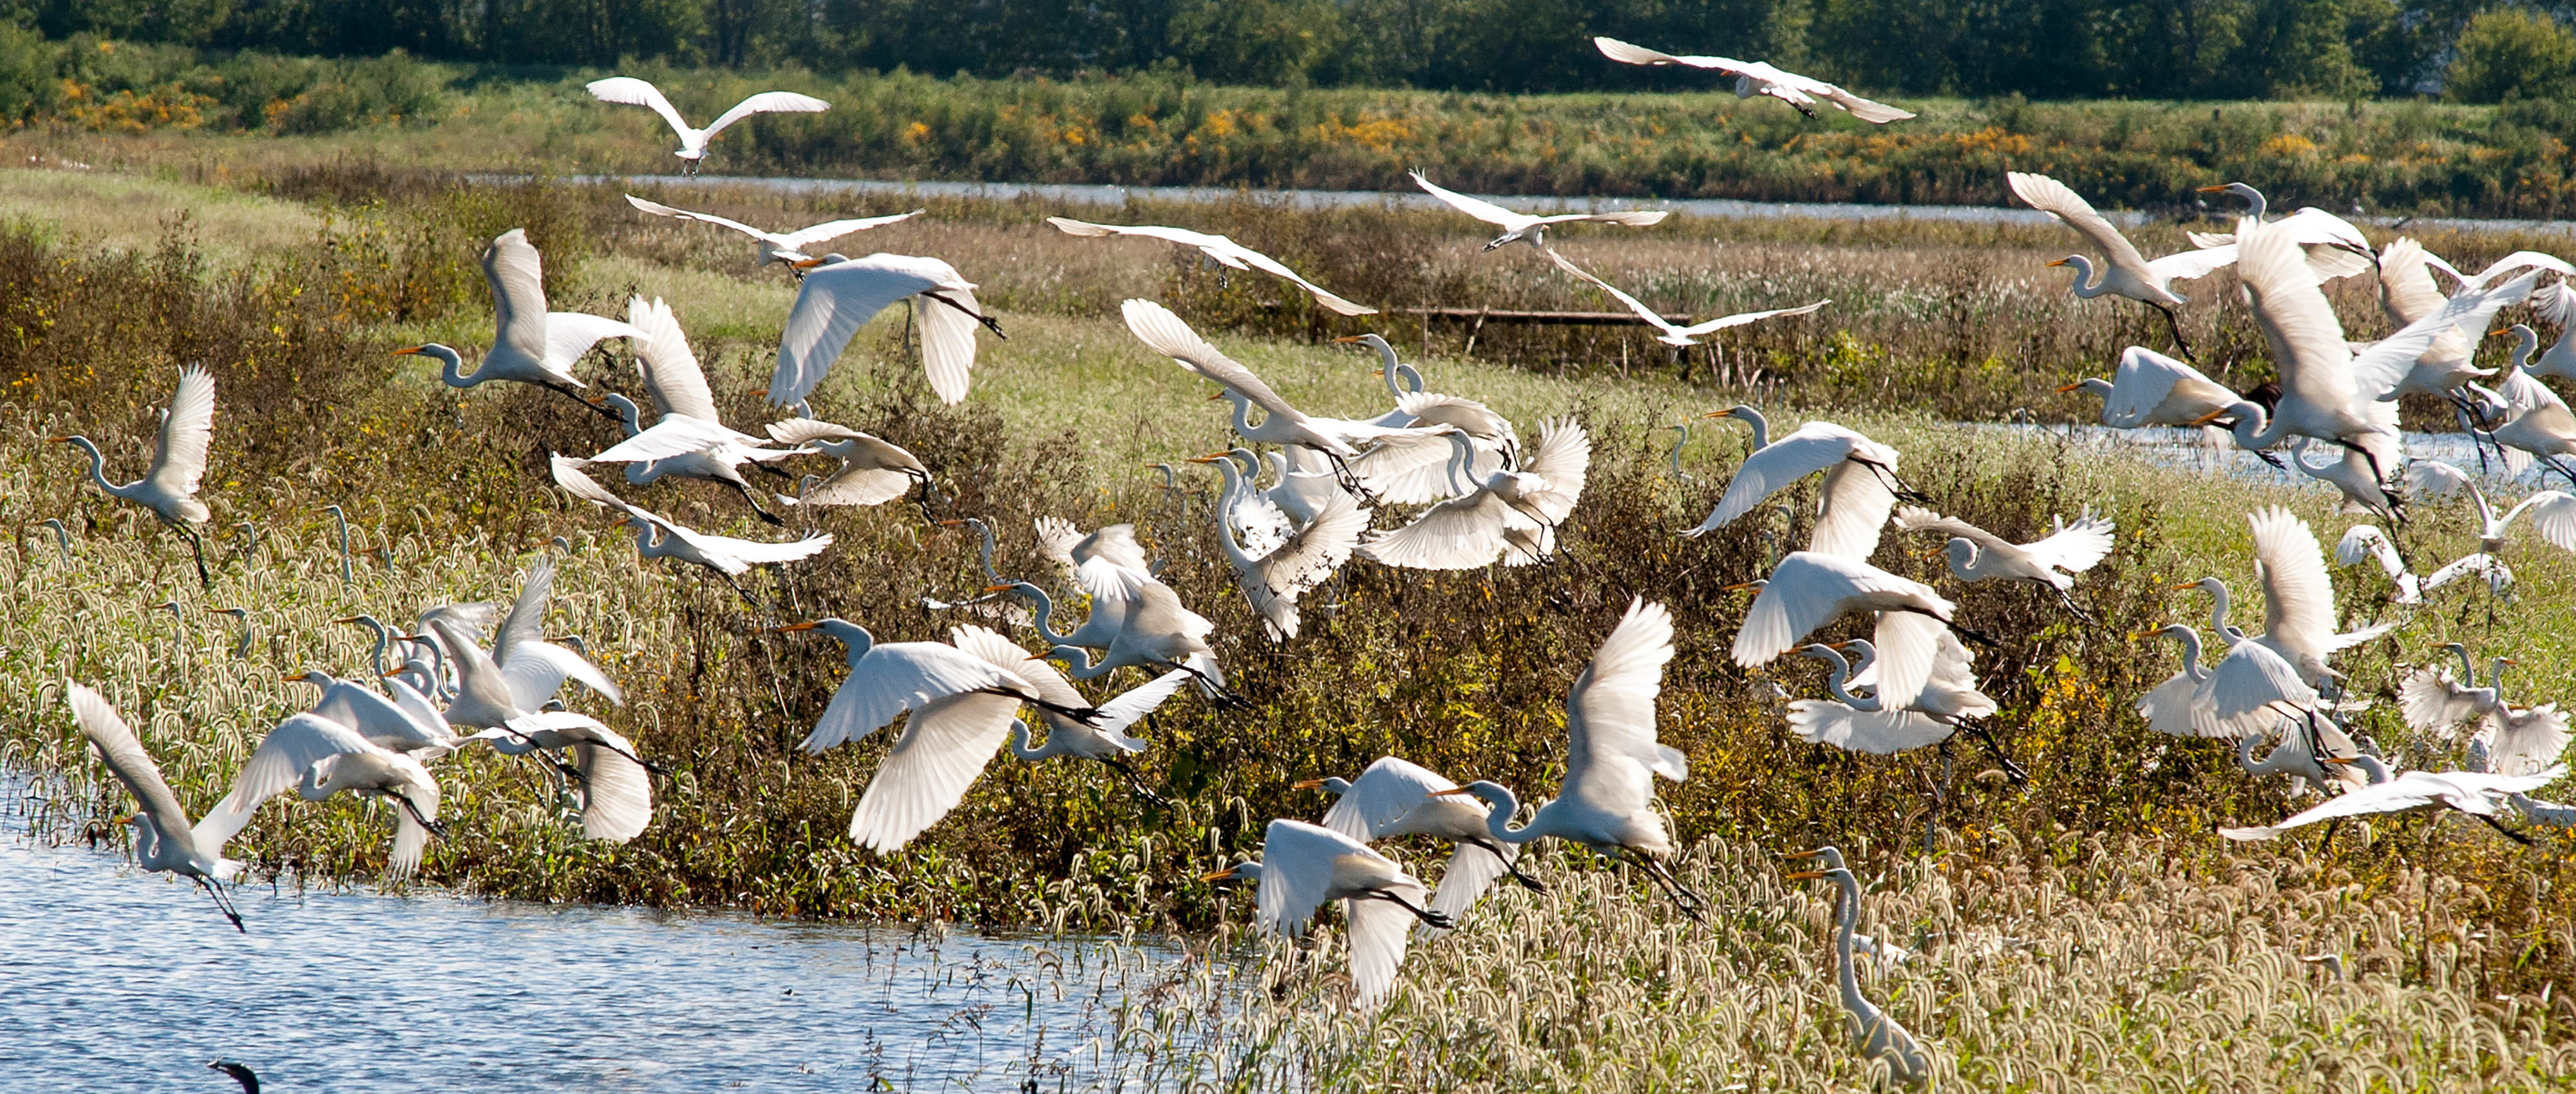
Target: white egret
{"points": [[2363, 542], [1303, 482], [530, 345], [1069, 547], [1668, 332], [2169, 707], [2474, 793], [164, 840], [1165, 333], [316, 757], [1975, 554], [1757, 78], [1523, 226], [2298, 596], [406, 722], [1949, 698], [1830, 857], [1225, 252], [1396, 797], [2148, 388], [1873, 1032], [872, 470], [1136, 621], [2523, 417], [169, 489], [768, 247], [616, 787], [2433, 702], [2553, 512], [2439, 367], [1511, 516], [2125, 272], [1413, 469], [690, 440], [2332, 246], [1860, 488], [1303, 865], [629, 91], [2325, 390], [2353, 476], [2407, 294], [536, 669], [840, 294], [1273, 579], [660, 537], [962, 702], [2519, 740], [1611, 759], [1809, 589]]}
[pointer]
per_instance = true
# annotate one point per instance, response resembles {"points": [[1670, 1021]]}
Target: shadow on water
{"points": [[123, 981]]}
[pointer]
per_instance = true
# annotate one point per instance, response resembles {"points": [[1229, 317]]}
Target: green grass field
{"points": [[2086, 931]]}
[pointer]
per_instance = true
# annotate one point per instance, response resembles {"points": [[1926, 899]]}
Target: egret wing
{"points": [[1043, 679], [386, 723], [1625, 53], [1478, 208], [1472, 869], [1877, 732], [1297, 867], [660, 210], [1378, 930], [897, 676], [2553, 512], [767, 102], [670, 368], [1165, 333], [1652, 317], [1610, 715], [1814, 447], [2298, 594], [280, 761], [944, 748], [674, 435], [1915, 518], [2527, 739], [2054, 198], [123, 754], [517, 279], [834, 229], [1741, 318], [616, 790], [1461, 533], [2076, 547], [948, 342], [569, 334], [1276, 268], [832, 303], [1382, 795], [630, 91], [187, 434], [2194, 264]]}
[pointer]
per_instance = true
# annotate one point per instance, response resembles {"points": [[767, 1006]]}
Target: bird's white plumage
{"points": [[1759, 78], [1666, 331], [838, 298], [1219, 248]]}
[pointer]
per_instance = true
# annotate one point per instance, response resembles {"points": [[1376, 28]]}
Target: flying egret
{"points": [[530, 345], [1103, 739], [2125, 273], [2553, 512], [840, 294], [783, 247], [2298, 596], [2519, 740], [872, 470], [1165, 333], [1523, 226], [164, 840], [1136, 621], [1950, 697], [1303, 865], [2148, 388], [660, 537], [169, 489], [1873, 1032], [2353, 476], [2476, 794], [2557, 304], [403, 722], [1810, 589], [616, 787], [1511, 516], [2364, 542], [1666, 331], [2407, 294], [2433, 702], [1860, 488], [1757, 78], [1977, 555], [2332, 247], [690, 439], [962, 698], [1218, 248], [2326, 391], [2168, 707], [1273, 579], [1070, 547], [1396, 797], [2522, 416], [1611, 760], [629, 91], [1413, 469], [318, 757]]}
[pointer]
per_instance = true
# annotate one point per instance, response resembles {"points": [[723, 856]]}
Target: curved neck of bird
{"points": [[1044, 614], [1020, 742], [2245, 747], [1838, 680], [986, 551], [1388, 367], [2218, 614], [2372, 767], [2495, 675], [2098, 386], [853, 636], [1412, 379], [2468, 668], [2085, 286], [310, 789], [451, 367], [628, 413], [147, 839], [1242, 411], [97, 463], [1498, 818], [1848, 918], [2255, 203], [1761, 426], [1232, 495], [2191, 666], [1462, 464]]}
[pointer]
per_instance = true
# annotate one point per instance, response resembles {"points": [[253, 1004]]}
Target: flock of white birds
{"points": [[474, 673]]}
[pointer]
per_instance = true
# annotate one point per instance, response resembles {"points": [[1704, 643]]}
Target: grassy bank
{"points": [[2392, 157], [292, 293]]}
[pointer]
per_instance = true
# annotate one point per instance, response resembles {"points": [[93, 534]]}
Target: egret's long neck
{"points": [[1412, 378], [451, 370], [97, 464], [987, 531], [1020, 742], [1227, 499], [1761, 427], [2191, 666], [1844, 975], [1462, 464], [1839, 681], [147, 839], [2085, 287], [1498, 820], [1242, 412], [2218, 614], [2495, 675], [1387, 366], [2098, 386], [1045, 613]]}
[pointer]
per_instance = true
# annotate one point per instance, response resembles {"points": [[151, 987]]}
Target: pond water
{"points": [[1081, 194], [115, 980]]}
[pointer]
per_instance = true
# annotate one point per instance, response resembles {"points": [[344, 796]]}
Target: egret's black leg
{"points": [[215, 892], [2019, 776], [1136, 783], [2507, 833], [1512, 868], [753, 500], [197, 546], [2175, 325], [1430, 918]]}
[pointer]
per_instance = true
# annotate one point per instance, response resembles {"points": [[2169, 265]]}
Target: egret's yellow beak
{"points": [[2064, 388], [1803, 875], [806, 626], [1217, 876], [2212, 190], [1307, 784], [2059, 262]]}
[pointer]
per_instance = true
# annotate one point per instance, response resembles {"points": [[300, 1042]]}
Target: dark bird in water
{"points": [[241, 1073]]}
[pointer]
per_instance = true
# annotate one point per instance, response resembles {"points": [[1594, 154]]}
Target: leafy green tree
{"points": [[27, 82], [2512, 52]]}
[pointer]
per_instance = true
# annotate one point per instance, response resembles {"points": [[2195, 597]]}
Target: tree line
{"points": [[2052, 49]]}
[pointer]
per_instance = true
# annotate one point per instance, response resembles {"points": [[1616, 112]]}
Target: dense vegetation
{"points": [[2228, 49]]}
